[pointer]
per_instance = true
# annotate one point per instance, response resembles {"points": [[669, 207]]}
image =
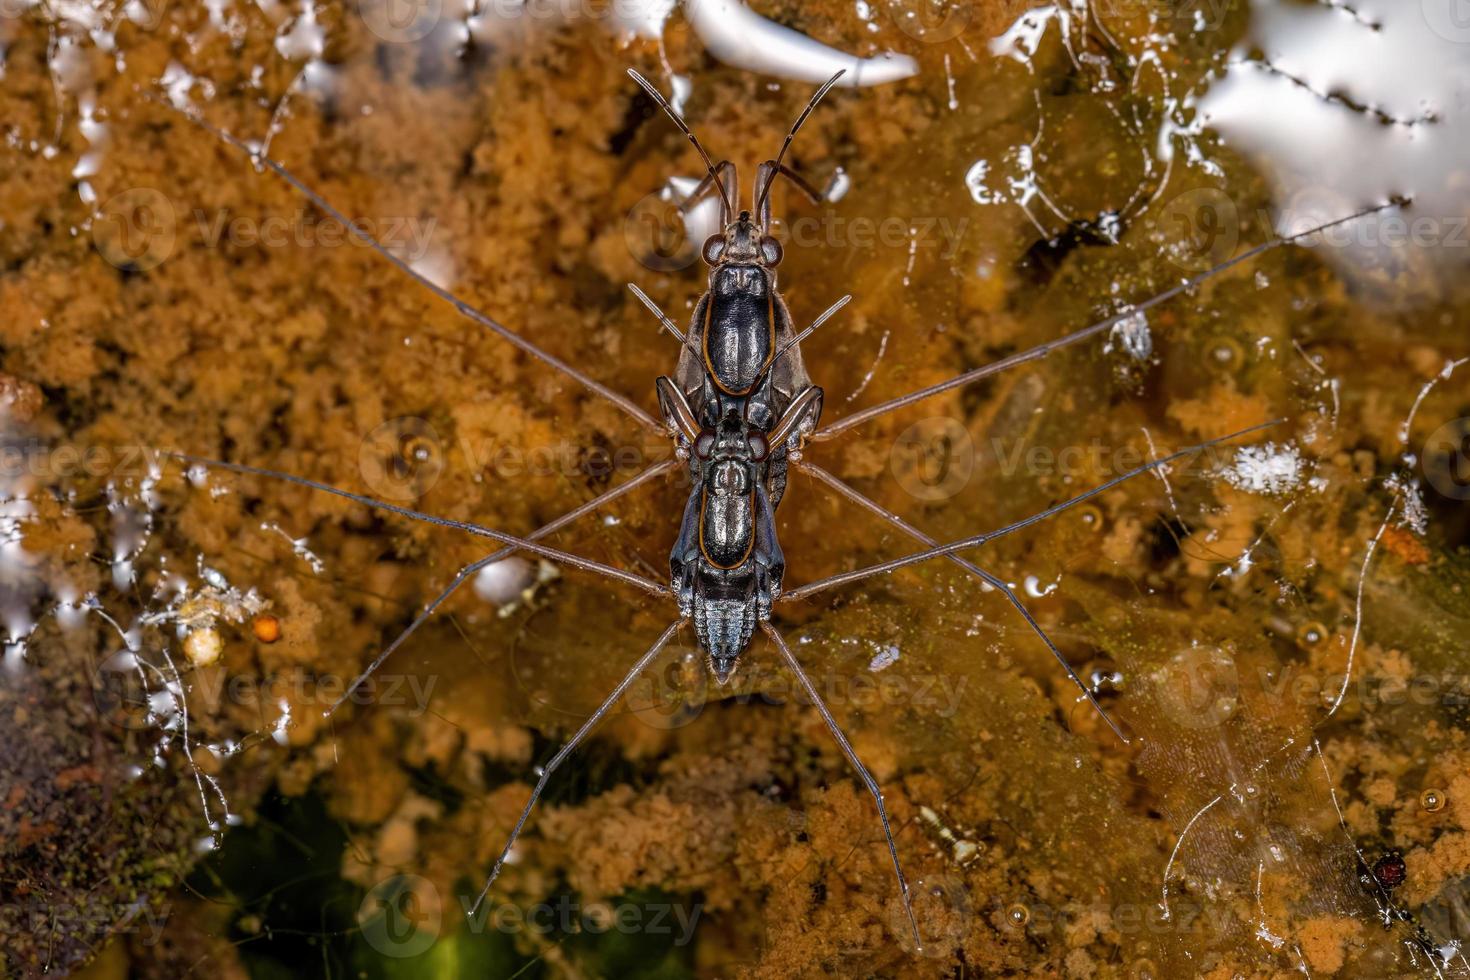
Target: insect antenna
{"points": [[775, 168], [727, 202], [545, 771], [856, 763], [464, 308], [470, 569], [979, 539], [521, 544], [1042, 350], [876, 508]]}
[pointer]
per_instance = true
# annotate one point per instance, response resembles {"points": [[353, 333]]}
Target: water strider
{"points": [[739, 408]]}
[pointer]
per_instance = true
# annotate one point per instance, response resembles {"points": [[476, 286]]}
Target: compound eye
{"points": [[714, 247], [771, 251], [705, 444], [759, 448]]}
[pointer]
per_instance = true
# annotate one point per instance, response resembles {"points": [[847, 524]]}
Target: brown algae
{"points": [[1278, 625]]}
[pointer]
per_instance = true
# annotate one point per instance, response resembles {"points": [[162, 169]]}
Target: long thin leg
{"points": [[465, 309], [826, 315], [874, 507], [728, 176], [1042, 350], [856, 763], [522, 544], [766, 174], [507, 551], [979, 539], [569, 747], [663, 318]]}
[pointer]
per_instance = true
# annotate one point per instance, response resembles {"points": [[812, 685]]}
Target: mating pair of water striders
{"points": [[739, 407]]}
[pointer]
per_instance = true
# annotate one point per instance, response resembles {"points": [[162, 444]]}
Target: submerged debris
{"points": [[1132, 336], [1268, 469]]}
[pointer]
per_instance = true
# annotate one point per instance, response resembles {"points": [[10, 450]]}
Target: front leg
{"points": [[684, 557], [770, 560]]}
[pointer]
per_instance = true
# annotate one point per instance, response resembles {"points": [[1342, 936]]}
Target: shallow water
{"points": [[1277, 624]]}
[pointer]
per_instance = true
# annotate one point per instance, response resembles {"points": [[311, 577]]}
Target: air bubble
{"points": [[1432, 800], [1224, 354], [1018, 915], [1310, 635]]}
